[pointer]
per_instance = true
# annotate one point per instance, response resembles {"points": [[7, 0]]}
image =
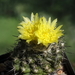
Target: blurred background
{"points": [[11, 12]]}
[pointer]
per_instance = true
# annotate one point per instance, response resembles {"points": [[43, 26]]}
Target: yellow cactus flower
{"points": [[40, 30]]}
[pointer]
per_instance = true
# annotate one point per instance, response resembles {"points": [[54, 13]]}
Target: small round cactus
{"points": [[40, 47]]}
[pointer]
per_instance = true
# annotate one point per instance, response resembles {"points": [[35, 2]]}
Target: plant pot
{"points": [[5, 58], [67, 66]]}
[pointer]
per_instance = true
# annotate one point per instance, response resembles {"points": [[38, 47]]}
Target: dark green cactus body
{"points": [[35, 59]]}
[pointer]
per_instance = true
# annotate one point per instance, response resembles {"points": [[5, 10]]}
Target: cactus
{"points": [[40, 47]]}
